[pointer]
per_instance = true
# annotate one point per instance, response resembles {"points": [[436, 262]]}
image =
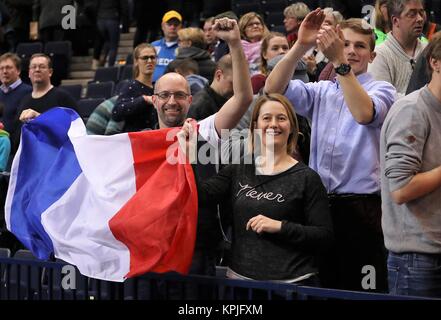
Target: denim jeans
{"points": [[414, 274]]}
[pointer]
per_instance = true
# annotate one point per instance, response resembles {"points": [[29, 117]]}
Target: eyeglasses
{"points": [[252, 24], [40, 66], [165, 95], [145, 58]]}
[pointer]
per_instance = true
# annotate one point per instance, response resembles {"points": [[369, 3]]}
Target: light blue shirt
{"points": [[345, 153], [166, 53], [14, 85]]}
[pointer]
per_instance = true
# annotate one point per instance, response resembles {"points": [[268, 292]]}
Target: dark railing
{"points": [[40, 280]]}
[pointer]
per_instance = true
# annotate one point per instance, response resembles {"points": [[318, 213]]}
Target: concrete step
{"points": [[81, 66], [125, 50], [125, 43], [81, 59], [83, 82], [81, 74], [127, 36]]}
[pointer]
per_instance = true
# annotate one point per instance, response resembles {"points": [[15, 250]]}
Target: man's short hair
{"points": [[36, 55], [225, 63], [433, 50], [186, 66], [396, 7], [298, 10], [360, 26], [15, 59]]}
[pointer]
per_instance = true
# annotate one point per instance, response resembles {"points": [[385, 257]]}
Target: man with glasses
{"points": [[396, 56], [44, 95], [166, 47], [172, 100]]}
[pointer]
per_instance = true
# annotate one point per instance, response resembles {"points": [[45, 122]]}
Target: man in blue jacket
{"points": [[166, 46]]}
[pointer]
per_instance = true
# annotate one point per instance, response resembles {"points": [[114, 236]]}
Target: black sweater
{"points": [[133, 109], [296, 197]]}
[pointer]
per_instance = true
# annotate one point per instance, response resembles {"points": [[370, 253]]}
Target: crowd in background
{"points": [[352, 100]]}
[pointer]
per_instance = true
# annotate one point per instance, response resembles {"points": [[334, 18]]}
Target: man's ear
{"points": [[154, 100], [373, 55]]}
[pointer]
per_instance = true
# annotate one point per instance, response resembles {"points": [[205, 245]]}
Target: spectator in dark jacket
{"points": [[110, 14], [192, 45], [209, 100], [49, 15]]}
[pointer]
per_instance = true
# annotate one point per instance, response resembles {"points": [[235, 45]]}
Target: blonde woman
{"points": [[134, 104], [252, 31], [280, 211]]}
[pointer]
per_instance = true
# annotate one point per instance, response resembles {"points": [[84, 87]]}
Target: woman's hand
{"points": [[261, 224]]}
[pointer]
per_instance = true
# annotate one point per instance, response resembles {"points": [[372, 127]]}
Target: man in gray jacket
{"points": [[411, 186]]}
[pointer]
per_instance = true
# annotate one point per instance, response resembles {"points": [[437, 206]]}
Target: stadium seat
{"points": [[73, 89], [126, 72], [107, 74], [60, 53], [268, 6], [280, 28], [100, 89], [240, 7], [25, 50], [86, 107], [129, 58], [120, 86], [274, 19]]}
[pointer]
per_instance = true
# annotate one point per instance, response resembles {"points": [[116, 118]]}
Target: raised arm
{"points": [[332, 43], [279, 78], [231, 112]]}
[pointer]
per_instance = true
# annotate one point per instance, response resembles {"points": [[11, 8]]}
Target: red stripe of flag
{"points": [[158, 224]]}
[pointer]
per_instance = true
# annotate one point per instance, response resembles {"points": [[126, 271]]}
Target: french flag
{"points": [[114, 206]]}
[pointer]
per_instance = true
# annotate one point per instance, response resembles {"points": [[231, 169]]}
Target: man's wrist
{"points": [[338, 62]]}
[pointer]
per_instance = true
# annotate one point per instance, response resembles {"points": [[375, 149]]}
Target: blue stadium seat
{"points": [[273, 5], [274, 19], [107, 74], [129, 58], [240, 7], [120, 86], [25, 50], [73, 89], [126, 72], [86, 107], [100, 89], [60, 53]]}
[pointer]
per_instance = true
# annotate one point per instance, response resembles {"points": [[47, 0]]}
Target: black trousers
{"points": [[358, 243]]}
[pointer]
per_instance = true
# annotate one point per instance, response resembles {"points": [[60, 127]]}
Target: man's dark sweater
{"points": [[55, 97], [11, 101], [205, 103]]}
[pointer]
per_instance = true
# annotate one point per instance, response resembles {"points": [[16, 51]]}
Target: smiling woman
{"points": [[278, 205], [252, 31]]}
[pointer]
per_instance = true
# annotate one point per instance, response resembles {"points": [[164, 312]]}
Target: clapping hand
{"points": [[309, 28], [332, 43]]}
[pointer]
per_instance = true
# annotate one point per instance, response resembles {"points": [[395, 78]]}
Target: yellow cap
{"points": [[170, 15]]}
